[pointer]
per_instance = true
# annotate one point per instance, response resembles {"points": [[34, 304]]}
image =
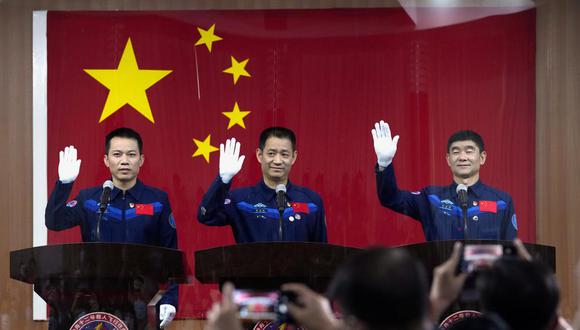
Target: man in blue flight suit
{"points": [[490, 212], [253, 212], [136, 213]]}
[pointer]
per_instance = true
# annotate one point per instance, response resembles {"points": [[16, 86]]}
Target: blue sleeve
{"points": [[167, 227], [213, 210], [319, 234], [510, 224], [59, 215], [170, 296], [391, 197]]}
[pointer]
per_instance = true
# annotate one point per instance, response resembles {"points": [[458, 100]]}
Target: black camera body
{"points": [[475, 257]]}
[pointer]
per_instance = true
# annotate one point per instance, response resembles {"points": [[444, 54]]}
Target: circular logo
{"points": [[457, 317], [99, 321], [269, 325]]}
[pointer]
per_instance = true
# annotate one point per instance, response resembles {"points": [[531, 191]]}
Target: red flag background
{"points": [[328, 75]]}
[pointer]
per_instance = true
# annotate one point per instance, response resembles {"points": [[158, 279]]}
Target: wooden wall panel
{"points": [[558, 138], [558, 130]]}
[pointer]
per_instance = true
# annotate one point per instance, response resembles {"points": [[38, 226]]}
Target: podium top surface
{"points": [[96, 260], [270, 260]]}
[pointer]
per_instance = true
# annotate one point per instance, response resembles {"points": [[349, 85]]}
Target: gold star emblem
{"points": [[236, 116], [127, 84], [207, 37], [238, 69], [204, 148]]}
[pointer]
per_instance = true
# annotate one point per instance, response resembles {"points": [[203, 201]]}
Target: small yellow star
{"points": [[207, 37], [127, 84], [236, 116], [204, 148], [238, 69]]}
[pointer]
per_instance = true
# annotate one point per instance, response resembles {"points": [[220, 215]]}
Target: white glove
{"points": [[68, 165], [385, 146], [230, 160], [166, 315]]}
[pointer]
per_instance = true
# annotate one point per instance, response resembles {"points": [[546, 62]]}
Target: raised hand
{"points": [[230, 160], [385, 146], [68, 165]]}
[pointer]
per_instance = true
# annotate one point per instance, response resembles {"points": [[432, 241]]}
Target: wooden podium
{"points": [[115, 278], [268, 265]]}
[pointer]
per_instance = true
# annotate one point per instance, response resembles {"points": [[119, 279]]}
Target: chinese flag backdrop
{"points": [[328, 75]]}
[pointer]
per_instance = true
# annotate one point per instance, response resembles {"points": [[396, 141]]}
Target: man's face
{"points": [[276, 159], [123, 159], [465, 159]]}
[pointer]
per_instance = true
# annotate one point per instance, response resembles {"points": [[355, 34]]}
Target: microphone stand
{"points": [[102, 211], [281, 201], [280, 220], [464, 214]]}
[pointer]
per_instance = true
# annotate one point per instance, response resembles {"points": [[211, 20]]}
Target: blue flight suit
{"points": [[490, 212], [140, 215], [254, 217]]}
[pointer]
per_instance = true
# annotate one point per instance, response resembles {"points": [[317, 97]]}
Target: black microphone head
{"points": [[461, 187], [108, 184], [281, 188]]}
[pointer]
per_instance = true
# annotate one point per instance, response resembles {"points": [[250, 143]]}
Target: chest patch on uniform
{"points": [[72, 203], [488, 206], [144, 209], [300, 208], [446, 206]]}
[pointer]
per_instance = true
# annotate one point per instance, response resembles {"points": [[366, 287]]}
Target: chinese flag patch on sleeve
{"points": [[144, 209], [488, 206], [300, 208]]}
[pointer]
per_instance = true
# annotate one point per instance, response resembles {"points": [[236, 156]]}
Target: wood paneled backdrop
{"points": [[557, 132]]}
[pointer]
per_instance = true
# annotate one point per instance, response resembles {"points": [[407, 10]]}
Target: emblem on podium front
{"points": [[99, 321]]}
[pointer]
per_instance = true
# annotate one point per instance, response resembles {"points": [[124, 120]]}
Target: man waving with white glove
{"points": [[253, 212], [490, 213], [136, 213]]}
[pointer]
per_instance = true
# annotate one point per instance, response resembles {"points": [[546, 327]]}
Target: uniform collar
{"points": [[135, 191], [268, 193], [475, 189]]}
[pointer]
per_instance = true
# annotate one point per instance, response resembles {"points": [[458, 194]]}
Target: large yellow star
{"points": [[204, 148], [238, 69], [207, 37], [236, 116], [127, 84]]}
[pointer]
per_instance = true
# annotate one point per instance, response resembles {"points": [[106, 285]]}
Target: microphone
{"points": [[281, 197], [104, 202], [462, 194], [281, 203], [107, 188]]}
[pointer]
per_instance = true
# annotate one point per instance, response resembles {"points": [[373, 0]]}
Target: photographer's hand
{"points": [[311, 310], [446, 284], [521, 250], [224, 315]]}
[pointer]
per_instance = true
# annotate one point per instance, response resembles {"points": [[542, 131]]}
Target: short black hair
{"points": [[523, 293], [279, 132], [466, 135], [123, 132], [383, 288]]}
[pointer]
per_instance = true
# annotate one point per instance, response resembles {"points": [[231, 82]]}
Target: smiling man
{"points": [[136, 213], [490, 212], [254, 212]]}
